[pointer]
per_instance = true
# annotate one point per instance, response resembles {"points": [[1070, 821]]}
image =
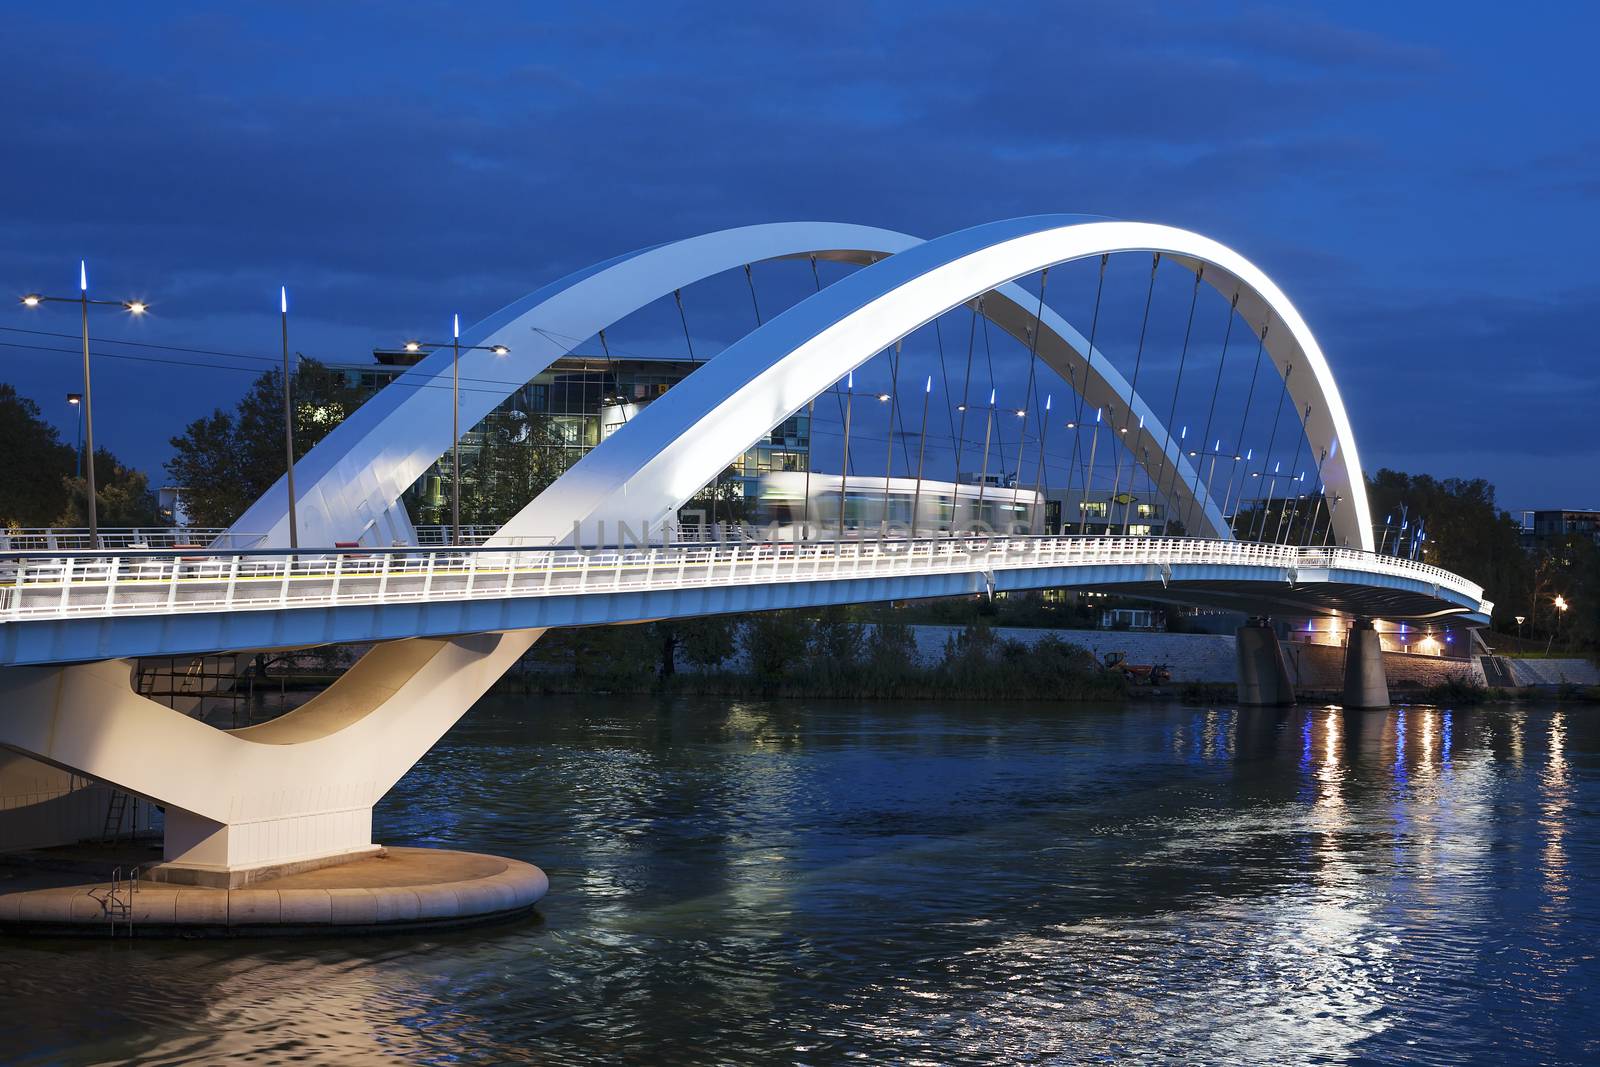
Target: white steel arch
{"points": [[664, 455], [349, 485]]}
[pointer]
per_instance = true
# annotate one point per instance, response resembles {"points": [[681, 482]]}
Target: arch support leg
{"points": [[1263, 670], [291, 793], [1365, 685]]}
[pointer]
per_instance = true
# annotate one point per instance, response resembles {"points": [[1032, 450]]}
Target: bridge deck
{"points": [[110, 592]]}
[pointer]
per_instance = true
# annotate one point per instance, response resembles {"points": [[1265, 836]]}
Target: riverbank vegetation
{"points": [[814, 654]]}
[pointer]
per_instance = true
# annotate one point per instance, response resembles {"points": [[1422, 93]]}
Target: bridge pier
{"points": [[1263, 670], [292, 793], [1365, 685]]}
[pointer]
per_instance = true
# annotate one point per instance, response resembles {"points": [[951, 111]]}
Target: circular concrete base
{"points": [[402, 889]]}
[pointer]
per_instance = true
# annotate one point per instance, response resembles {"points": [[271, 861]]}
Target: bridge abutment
{"points": [[1263, 669], [1365, 684]]}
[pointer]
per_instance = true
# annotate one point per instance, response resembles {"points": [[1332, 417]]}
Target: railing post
{"points": [[66, 583], [338, 573], [111, 584]]}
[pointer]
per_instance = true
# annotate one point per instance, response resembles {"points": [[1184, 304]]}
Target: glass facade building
{"points": [[567, 409]]}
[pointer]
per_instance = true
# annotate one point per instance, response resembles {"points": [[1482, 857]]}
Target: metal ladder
{"points": [[116, 900], [116, 808]]}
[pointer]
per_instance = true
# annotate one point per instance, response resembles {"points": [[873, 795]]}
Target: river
{"points": [[793, 882]]}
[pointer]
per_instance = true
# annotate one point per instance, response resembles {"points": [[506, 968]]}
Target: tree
{"points": [[1466, 533], [835, 638], [33, 491], [517, 459], [708, 641], [123, 496], [226, 461], [892, 648], [773, 641]]}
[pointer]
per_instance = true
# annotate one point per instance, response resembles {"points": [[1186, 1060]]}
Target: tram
{"points": [[792, 501]]}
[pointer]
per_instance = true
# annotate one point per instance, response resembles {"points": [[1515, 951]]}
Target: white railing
{"points": [[77, 539], [111, 583]]}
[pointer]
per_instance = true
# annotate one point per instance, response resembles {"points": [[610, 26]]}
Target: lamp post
{"points": [[133, 307], [1560, 603], [456, 348], [1520, 620], [288, 418], [76, 400]]}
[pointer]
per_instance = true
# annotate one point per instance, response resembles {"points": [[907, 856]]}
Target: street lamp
{"points": [[133, 307], [76, 400], [456, 348], [1520, 620]]}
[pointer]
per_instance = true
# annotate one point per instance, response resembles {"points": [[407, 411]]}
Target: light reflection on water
{"points": [[754, 882]]}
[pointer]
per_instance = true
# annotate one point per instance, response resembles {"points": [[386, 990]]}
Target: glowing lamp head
{"points": [[1022, 413], [883, 398], [413, 346], [283, 299], [500, 350], [455, 324], [32, 300], [74, 399], [136, 307], [83, 276], [1561, 603]]}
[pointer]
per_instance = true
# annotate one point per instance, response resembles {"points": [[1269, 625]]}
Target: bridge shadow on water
{"points": [[801, 881]]}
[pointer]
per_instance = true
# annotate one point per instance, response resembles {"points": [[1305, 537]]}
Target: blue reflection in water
{"points": [[747, 882]]}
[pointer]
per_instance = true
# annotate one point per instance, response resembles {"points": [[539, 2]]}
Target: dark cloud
{"points": [[394, 163]]}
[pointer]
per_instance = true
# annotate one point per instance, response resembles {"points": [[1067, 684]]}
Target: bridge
{"points": [[603, 544]]}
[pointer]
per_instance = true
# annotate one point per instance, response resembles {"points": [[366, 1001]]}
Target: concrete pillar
{"points": [[1364, 683], [1263, 671]]}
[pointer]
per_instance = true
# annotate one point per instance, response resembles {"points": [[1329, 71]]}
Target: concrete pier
{"points": [[1263, 670], [1365, 685], [401, 889]]}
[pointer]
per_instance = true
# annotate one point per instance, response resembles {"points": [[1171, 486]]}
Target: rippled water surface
{"points": [[747, 882]]}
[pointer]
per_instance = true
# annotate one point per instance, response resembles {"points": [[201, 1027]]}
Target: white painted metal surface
{"points": [[108, 584], [656, 462]]}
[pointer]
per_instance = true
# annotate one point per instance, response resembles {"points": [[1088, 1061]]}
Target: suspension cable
{"points": [[677, 295], [1029, 404], [944, 374], [1266, 457], [1239, 450], [750, 278], [1172, 411], [1227, 335], [966, 386], [1299, 443], [616, 383], [1133, 387], [1000, 437], [1088, 364]]}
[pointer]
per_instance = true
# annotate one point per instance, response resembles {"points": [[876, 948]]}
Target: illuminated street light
{"points": [[456, 348], [133, 307]]}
